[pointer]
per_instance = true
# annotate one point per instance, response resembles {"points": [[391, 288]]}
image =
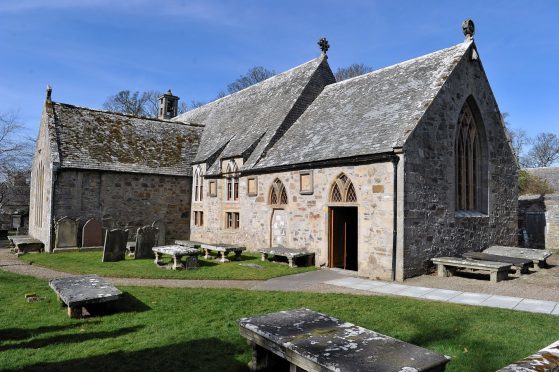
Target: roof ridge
{"points": [[464, 44], [126, 115]]}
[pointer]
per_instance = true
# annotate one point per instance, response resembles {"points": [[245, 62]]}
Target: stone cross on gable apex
{"points": [[323, 44]]}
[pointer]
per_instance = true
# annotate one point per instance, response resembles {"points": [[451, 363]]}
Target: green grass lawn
{"points": [[90, 263], [196, 329]]}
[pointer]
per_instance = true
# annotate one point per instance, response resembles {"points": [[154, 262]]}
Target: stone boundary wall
{"points": [[125, 199]]}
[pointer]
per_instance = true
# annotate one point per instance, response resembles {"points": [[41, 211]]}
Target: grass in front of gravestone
{"points": [[90, 263], [196, 330]]}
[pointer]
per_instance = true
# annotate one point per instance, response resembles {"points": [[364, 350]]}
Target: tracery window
{"points": [[343, 190], [232, 184], [278, 194], [470, 180]]}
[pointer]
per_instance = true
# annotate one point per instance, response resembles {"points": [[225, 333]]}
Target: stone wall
{"points": [[308, 214], [125, 199], [538, 215], [432, 228], [552, 222], [40, 196]]}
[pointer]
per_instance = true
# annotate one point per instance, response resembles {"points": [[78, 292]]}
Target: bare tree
{"points": [[142, 103], [356, 69], [254, 75], [518, 139], [134, 103], [544, 151], [16, 150]]}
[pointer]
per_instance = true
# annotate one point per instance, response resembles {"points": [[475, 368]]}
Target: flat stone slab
{"points": [[441, 294], [536, 306], [547, 359], [503, 302], [176, 250], [188, 243], [84, 290], [538, 256], [471, 264], [468, 298], [220, 247], [223, 250], [24, 244], [290, 254], [318, 342], [285, 252]]}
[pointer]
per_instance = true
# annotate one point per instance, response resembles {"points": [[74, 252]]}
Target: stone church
{"points": [[377, 174]]}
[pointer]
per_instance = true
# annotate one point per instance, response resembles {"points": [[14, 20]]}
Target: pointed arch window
{"points": [[198, 185], [470, 166], [343, 191], [278, 194], [232, 184]]}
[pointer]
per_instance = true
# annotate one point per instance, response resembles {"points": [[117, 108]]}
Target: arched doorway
{"points": [[342, 225]]}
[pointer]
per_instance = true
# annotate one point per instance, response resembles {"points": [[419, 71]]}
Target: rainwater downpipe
{"points": [[395, 160]]}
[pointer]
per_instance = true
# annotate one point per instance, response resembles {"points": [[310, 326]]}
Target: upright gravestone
{"points": [[145, 241], [92, 234], [66, 233], [161, 232], [115, 245]]}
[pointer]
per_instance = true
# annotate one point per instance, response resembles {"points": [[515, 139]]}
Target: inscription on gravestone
{"points": [[66, 233], [92, 234], [115, 245], [145, 241]]}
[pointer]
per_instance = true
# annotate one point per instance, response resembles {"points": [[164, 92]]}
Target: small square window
{"points": [[213, 188], [306, 183], [232, 220], [252, 186]]}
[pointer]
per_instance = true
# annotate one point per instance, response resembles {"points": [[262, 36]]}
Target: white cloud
{"points": [[206, 11]]}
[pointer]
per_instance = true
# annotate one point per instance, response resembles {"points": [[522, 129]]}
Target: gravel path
{"points": [[539, 285]]}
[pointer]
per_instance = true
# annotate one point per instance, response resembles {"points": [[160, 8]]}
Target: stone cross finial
{"points": [[323, 44], [468, 29], [49, 93]]}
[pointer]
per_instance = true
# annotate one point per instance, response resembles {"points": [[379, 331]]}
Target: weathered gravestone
{"points": [[66, 233], [115, 245], [145, 241], [161, 231], [92, 234]]}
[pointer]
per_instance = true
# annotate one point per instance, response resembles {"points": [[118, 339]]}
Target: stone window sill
{"points": [[466, 214]]}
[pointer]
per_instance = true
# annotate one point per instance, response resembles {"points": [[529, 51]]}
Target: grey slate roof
{"points": [[246, 122], [549, 174], [102, 140], [369, 114]]}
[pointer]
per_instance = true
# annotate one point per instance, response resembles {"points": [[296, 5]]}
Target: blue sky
{"points": [[90, 49]]}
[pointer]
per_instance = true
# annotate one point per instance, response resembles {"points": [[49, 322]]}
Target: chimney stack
{"points": [[168, 106]]}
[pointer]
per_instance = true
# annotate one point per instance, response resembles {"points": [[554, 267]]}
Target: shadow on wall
{"points": [[538, 221]]}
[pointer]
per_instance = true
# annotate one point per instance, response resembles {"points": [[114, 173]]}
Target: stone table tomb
{"points": [[312, 341], [78, 292], [177, 252], [223, 250]]}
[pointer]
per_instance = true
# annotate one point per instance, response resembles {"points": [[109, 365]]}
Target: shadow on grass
{"points": [[130, 304], [16, 334], [72, 338], [478, 353], [210, 354]]}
